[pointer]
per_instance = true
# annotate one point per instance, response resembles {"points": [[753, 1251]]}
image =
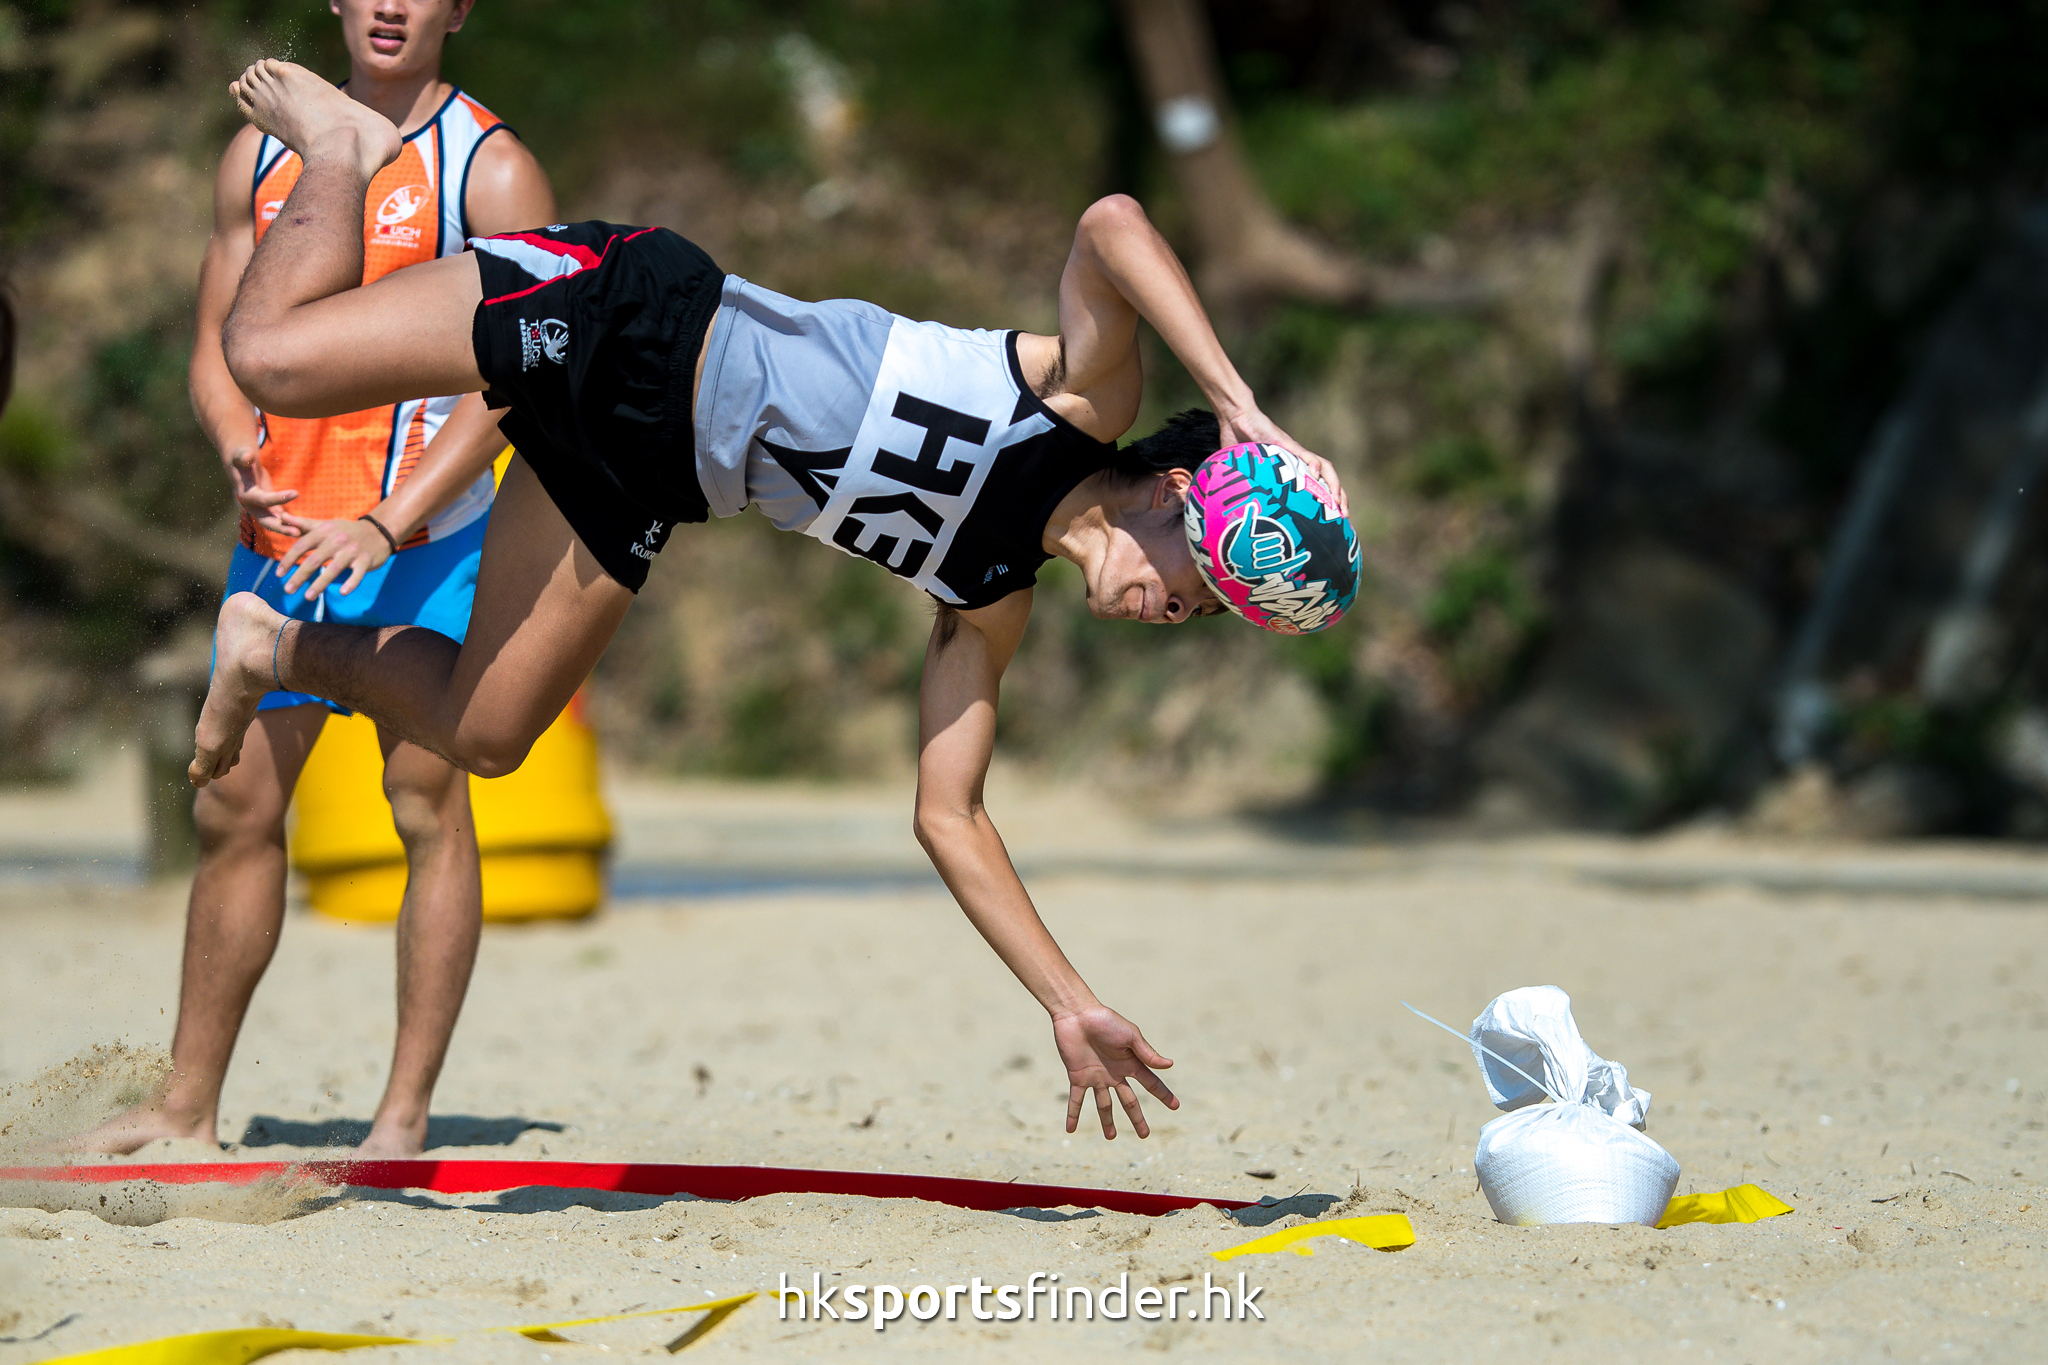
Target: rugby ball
{"points": [[1269, 541]]}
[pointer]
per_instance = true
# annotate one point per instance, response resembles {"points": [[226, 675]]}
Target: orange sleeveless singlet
{"points": [[344, 466]]}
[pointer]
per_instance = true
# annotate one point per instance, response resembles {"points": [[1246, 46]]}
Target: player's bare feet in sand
{"points": [[392, 1141], [314, 118], [245, 642], [142, 1125]]}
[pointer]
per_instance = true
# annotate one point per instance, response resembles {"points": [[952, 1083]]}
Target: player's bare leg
{"points": [[305, 338], [315, 246], [231, 929], [544, 612], [438, 928]]}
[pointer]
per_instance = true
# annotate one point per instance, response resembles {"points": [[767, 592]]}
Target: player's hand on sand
{"points": [[1103, 1051], [1253, 425], [253, 492], [325, 550]]}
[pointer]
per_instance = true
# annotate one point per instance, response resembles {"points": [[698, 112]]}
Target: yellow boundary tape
{"points": [[1381, 1232], [1742, 1204], [242, 1345], [1392, 1232]]}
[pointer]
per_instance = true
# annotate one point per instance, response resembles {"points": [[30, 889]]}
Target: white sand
{"points": [[1838, 1050]]}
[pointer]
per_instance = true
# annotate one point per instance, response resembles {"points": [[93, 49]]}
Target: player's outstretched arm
{"points": [[508, 191], [225, 414], [963, 667], [1121, 270]]}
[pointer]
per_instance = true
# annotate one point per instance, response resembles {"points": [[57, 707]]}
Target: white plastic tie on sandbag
{"points": [[1581, 1158]]}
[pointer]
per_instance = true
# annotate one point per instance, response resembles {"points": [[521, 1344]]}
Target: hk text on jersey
{"points": [[415, 211], [912, 444]]}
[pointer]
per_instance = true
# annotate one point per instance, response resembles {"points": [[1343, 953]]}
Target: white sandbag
{"points": [[1571, 1163], [1582, 1159]]}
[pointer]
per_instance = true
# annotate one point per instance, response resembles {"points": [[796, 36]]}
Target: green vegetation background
{"points": [[1741, 144]]}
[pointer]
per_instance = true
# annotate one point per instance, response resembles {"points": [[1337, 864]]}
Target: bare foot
{"points": [[139, 1127], [314, 118], [245, 641], [389, 1141]]}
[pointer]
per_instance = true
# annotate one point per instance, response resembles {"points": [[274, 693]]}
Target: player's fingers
{"points": [[1160, 1090], [1073, 1107], [1105, 1109], [307, 539], [329, 571], [1131, 1107], [1329, 476], [324, 580], [1148, 1054], [355, 576], [308, 566], [302, 554]]}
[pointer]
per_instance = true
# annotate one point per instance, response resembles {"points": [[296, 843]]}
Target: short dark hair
{"points": [[1183, 441]]}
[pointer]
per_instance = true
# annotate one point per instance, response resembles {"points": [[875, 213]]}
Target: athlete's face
{"points": [[397, 38], [1146, 572]]}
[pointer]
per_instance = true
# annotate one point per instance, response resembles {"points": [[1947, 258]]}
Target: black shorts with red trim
{"points": [[589, 333]]}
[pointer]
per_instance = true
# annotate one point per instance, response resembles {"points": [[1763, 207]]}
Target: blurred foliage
{"points": [[34, 445], [139, 424], [1483, 579]]}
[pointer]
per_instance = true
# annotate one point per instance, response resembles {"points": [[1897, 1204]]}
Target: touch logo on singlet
{"points": [[399, 205]]}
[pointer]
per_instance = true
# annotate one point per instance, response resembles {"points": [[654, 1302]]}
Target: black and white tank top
{"points": [[915, 445]]}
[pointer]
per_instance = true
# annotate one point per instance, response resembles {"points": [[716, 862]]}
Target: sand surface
{"points": [[1874, 1059]]}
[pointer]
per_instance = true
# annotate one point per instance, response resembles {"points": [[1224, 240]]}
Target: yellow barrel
{"points": [[542, 830]]}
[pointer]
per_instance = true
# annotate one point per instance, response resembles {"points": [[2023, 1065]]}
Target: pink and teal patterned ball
{"points": [[1269, 540]]}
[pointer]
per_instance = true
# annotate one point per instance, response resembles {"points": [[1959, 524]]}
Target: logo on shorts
{"points": [[547, 339], [401, 204], [649, 543], [271, 208]]}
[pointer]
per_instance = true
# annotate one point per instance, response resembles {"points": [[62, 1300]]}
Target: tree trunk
{"points": [[1247, 253], [1246, 250]]}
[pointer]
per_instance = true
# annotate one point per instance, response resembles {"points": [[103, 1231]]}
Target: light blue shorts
{"points": [[431, 585]]}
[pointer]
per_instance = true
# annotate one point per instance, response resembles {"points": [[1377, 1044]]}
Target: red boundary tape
{"points": [[705, 1182]]}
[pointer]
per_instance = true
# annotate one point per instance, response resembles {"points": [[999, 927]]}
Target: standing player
{"points": [[647, 388], [392, 502]]}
